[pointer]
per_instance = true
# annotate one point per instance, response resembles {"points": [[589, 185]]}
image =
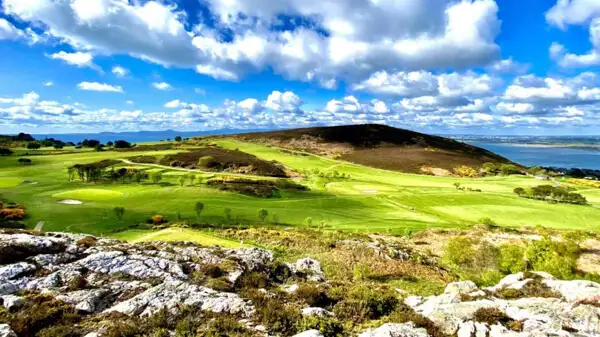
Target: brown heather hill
{"points": [[379, 146]]}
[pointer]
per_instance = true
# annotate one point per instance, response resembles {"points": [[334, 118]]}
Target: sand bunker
{"points": [[71, 202]]}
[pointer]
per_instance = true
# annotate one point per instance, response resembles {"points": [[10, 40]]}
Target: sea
{"points": [[548, 156]]}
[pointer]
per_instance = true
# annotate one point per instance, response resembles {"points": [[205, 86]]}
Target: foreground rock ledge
{"points": [[142, 279]]}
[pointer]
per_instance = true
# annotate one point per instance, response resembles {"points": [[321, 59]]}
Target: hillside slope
{"points": [[379, 146]]}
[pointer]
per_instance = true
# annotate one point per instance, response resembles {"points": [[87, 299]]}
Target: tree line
{"points": [[551, 193]]}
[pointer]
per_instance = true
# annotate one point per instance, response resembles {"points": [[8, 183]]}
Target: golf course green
{"points": [[366, 199]]}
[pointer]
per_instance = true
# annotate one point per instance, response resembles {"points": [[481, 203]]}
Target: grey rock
{"points": [[172, 294], [315, 311], [135, 265], [577, 290], [15, 270], [6, 331], [11, 302], [310, 267], [396, 330], [89, 301], [309, 333], [463, 287]]}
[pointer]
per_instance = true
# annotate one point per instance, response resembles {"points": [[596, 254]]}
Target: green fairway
{"points": [[371, 200], [89, 194], [176, 234]]}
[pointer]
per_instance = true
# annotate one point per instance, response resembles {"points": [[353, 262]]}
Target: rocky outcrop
{"points": [[6, 331], [109, 278]]}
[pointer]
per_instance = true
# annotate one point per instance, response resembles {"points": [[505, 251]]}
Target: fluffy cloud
{"points": [[286, 101], [8, 31], [78, 59], [341, 39], [120, 71], [102, 87], [423, 83], [162, 86], [351, 105], [250, 105], [576, 12]]}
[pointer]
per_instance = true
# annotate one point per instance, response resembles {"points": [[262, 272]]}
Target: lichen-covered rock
{"points": [[15, 270], [87, 300], [463, 287], [315, 311], [11, 302], [135, 265], [309, 333], [171, 295], [396, 330], [311, 268], [6, 331], [577, 290]]}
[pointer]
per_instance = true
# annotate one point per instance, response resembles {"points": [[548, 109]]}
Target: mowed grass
{"points": [[89, 194], [177, 234], [372, 200]]}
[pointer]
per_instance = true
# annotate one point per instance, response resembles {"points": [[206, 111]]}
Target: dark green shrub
{"points": [[366, 302], [312, 295]]}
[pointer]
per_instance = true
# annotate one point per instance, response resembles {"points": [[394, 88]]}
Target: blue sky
{"points": [[440, 66]]}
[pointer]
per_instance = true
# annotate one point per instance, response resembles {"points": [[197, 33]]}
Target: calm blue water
{"points": [[546, 156]]}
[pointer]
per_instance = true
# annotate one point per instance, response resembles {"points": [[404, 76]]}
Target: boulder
{"points": [[309, 333], [319, 312], [6, 331], [572, 291], [395, 330], [173, 294], [311, 268], [463, 287], [15, 270], [10, 302], [88, 301]]}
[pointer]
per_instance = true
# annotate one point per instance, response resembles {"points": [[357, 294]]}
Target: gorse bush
{"points": [[486, 264]]}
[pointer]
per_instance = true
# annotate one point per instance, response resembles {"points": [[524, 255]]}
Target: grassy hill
{"points": [[338, 195], [379, 146]]}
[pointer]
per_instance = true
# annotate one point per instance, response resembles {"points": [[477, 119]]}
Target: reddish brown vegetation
{"points": [[379, 146]]}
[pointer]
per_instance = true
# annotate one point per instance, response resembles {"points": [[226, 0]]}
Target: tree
{"points": [[99, 148], [58, 146], [122, 144], [263, 214], [182, 180], [508, 169], [156, 177], [228, 214], [457, 185], [33, 145], [275, 218], [520, 191], [192, 177], [46, 143], [109, 144], [308, 221], [198, 208], [119, 211], [90, 143], [5, 152], [177, 138], [24, 161]]}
